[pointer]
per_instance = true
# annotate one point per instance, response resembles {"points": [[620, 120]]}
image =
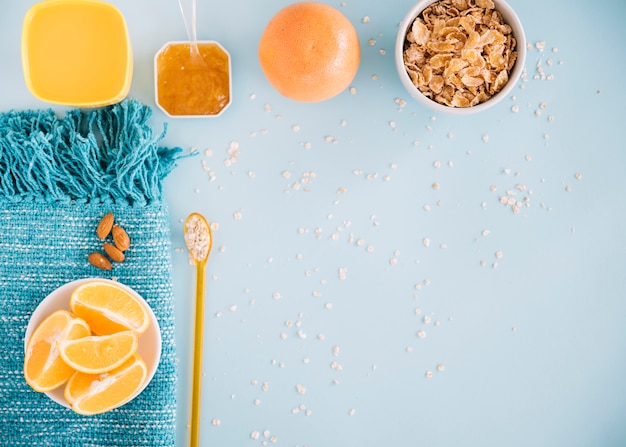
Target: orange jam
{"points": [[189, 83]]}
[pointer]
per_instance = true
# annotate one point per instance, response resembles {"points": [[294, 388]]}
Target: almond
{"points": [[120, 238], [105, 225], [114, 253], [99, 260]]}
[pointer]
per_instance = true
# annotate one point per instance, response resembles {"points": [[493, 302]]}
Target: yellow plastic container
{"points": [[76, 53]]}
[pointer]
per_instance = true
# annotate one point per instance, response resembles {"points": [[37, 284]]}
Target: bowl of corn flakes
{"points": [[460, 56]]}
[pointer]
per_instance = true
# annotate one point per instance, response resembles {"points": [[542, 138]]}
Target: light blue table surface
{"points": [[333, 253]]}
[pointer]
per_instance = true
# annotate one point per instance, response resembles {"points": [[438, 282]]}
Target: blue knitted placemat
{"points": [[58, 177]]}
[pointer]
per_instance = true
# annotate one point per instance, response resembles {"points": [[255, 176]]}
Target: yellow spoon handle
{"points": [[196, 381]]}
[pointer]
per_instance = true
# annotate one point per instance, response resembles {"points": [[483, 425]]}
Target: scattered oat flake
{"points": [[334, 365]]}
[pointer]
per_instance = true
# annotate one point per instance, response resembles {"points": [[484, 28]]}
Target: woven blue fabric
{"points": [[58, 177]]}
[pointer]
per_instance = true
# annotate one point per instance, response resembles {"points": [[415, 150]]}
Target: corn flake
{"points": [[460, 52]]}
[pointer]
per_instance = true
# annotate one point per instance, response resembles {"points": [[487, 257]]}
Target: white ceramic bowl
{"points": [[149, 343], [509, 16]]}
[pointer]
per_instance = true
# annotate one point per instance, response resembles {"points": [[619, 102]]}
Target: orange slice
{"points": [[109, 307], [44, 369], [97, 393], [98, 353]]}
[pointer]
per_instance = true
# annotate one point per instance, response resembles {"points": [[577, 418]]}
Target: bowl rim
{"points": [[150, 342], [510, 17], [156, 78], [25, 51]]}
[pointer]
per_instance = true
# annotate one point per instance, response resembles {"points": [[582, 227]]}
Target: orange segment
{"points": [[44, 369], [97, 393], [81, 383], [98, 354], [309, 51], [109, 308]]}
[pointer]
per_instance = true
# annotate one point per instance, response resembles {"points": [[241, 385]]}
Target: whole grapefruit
{"points": [[309, 51]]}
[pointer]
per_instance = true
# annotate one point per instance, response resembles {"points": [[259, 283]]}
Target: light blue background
{"points": [[532, 343]]}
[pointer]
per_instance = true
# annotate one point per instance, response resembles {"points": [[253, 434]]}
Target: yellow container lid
{"points": [[76, 53]]}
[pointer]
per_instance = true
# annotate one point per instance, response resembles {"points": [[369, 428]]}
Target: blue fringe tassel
{"points": [[106, 155]]}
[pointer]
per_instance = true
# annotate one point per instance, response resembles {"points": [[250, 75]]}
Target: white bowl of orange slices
{"points": [[92, 345]]}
